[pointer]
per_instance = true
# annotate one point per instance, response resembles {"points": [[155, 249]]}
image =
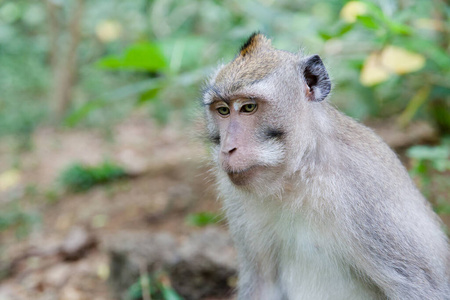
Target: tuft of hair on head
{"points": [[255, 41]]}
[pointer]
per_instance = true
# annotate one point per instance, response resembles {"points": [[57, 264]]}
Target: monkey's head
{"points": [[260, 111]]}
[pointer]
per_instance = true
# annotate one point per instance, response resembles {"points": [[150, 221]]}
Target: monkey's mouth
{"points": [[242, 177]]}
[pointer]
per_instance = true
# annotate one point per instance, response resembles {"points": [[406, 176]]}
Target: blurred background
{"points": [[105, 191]]}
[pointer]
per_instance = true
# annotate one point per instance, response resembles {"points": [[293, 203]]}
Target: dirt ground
{"points": [[170, 180]]}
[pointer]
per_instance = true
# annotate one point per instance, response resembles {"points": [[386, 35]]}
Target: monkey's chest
{"points": [[308, 263]]}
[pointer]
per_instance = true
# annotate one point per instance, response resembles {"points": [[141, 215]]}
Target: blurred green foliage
{"points": [[23, 75], [156, 286], [438, 157], [431, 166], [203, 218], [78, 177], [143, 56], [345, 47], [157, 53], [16, 218]]}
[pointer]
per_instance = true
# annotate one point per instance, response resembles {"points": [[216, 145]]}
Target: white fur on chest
{"points": [[297, 255], [311, 265]]}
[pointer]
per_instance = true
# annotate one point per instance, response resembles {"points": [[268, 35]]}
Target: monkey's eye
{"points": [[248, 108], [223, 110]]}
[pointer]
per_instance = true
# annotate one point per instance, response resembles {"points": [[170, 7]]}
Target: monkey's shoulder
{"points": [[361, 142]]}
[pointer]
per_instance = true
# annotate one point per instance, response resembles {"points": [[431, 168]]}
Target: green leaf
{"points": [[134, 292], [393, 26], [441, 165], [144, 56], [438, 158], [110, 62], [148, 95], [78, 177], [337, 32], [169, 293], [325, 35], [78, 115], [442, 208], [399, 28], [344, 29], [368, 21], [203, 219], [430, 153]]}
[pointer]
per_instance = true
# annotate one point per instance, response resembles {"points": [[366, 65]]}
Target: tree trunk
{"points": [[64, 61]]}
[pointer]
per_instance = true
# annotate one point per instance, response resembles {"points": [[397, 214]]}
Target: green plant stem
{"points": [[413, 106]]}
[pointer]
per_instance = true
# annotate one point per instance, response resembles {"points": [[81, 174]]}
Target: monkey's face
{"points": [[258, 110], [247, 144]]}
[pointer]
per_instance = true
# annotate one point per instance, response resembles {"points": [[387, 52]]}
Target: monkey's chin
{"points": [[243, 177]]}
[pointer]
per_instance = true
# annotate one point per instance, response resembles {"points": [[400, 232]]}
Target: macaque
{"points": [[318, 205]]}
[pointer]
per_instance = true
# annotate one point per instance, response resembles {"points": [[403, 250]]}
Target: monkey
{"points": [[318, 206]]}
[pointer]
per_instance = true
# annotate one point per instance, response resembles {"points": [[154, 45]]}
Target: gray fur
{"points": [[333, 214]]}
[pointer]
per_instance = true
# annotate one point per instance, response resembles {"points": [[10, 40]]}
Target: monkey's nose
{"points": [[229, 151]]}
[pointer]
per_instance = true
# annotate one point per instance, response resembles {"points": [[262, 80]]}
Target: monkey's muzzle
{"points": [[242, 177]]}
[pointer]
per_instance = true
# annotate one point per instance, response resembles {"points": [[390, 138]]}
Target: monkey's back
{"points": [[396, 234]]}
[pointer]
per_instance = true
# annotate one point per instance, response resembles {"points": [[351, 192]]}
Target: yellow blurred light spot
{"points": [[108, 31], [9, 179], [373, 71], [391, 60], [103, 271], [402, 61], [352, 10]]}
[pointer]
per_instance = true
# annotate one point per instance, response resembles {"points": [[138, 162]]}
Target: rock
{"points": [[57, 275], [199, 266], [206, 267], [131, 253], [71, 293], [10, 291], [77, 243]]}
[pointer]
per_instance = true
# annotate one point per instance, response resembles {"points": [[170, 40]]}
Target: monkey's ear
{"points": [[316, 78]]}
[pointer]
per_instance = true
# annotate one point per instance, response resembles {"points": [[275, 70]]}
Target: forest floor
{"points": [[170, 180]]}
